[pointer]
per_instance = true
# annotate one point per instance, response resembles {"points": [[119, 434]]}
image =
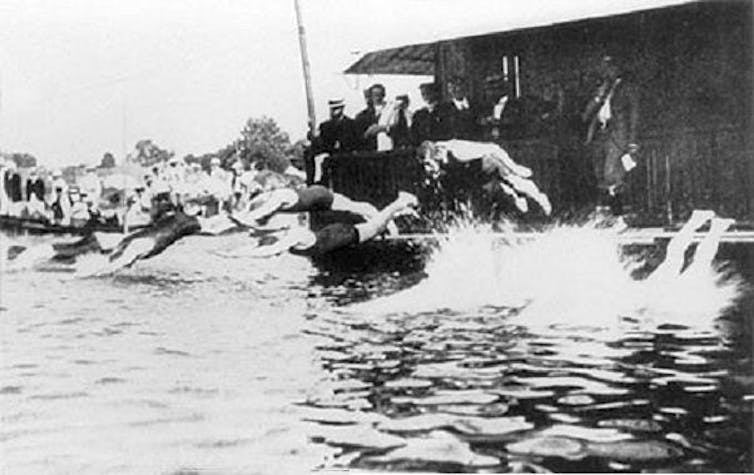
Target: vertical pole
{"points": [[305, 66], [668, 199]]}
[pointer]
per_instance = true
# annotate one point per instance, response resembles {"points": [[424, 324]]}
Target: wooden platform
{"points": [[629, 237]]}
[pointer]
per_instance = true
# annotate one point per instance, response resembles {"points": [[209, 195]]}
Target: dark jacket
{"points": [[622, 128], [400, 132], [464, 122], [362, 122], [433, 125], [37, 187], [337, 136], [13, 186]]}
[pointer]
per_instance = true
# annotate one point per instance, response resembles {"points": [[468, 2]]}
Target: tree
{"points": [[22, 160], [261, 141], [148, 153], [108, 161]]}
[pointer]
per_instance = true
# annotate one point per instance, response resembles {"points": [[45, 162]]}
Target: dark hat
{"points": [[336, 103], [428, 86]]}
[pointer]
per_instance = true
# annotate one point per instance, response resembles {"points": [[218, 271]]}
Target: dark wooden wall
{"points": [[693, 64]]}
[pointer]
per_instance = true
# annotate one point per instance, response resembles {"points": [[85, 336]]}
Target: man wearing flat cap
{"points": [[337, 134]]}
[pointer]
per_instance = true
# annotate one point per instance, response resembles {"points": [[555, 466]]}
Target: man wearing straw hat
{"points": [[338, 133]]}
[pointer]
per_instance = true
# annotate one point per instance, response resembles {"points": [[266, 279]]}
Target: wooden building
{"points": [[692, 63]]}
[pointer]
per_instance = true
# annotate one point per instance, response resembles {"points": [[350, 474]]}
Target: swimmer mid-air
{"points": [[673, 265], [303, 241], [502, 171], [311, 198], [121, 252], [148, 242]]}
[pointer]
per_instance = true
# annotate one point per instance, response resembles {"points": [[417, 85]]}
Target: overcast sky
{"points": [[82, 77]]}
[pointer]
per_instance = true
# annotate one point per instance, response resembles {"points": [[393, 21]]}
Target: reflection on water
{"points": [[193, 362]]}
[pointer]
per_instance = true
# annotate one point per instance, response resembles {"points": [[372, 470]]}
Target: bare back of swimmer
{"points": [[302, 241], [311, 198]]}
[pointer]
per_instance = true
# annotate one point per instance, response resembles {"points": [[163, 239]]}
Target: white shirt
{"points": [[497, 111], [461, 105], [605, 113]]}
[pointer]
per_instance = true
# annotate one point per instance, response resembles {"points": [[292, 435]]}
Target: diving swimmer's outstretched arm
{"points": [[303, 239]]}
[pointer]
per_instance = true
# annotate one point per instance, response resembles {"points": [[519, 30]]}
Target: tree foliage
{"points": [[148, 153], [108, 161], [21, 159], [263, 141]]}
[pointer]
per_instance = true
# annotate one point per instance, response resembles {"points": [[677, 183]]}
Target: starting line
{"points": [[628, 237]]}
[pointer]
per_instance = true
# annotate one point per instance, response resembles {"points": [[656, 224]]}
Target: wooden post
{"points": [[668, 199], [305, 66]]}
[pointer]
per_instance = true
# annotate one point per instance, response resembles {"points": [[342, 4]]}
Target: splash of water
{"points": [[565, 274]]}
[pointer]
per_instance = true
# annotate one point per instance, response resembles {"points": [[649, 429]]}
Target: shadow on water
{"points": [[482, 390]]}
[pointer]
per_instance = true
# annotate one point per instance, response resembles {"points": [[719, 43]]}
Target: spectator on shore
{"points": [[502, 113], [434, 121], [35, 186], [400, 131], [12, 182], [338, 133], [612, 114], [465, 112], [4, 199], [79, 213], [90, 183], [373, 136], [218, 185]]}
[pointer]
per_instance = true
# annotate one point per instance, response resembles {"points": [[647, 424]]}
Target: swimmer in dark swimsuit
{"points": [[138, 245], [302, 241], [311, 198]]}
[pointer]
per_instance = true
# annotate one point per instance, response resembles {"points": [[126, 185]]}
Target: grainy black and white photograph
{"points": [[376, 236]]}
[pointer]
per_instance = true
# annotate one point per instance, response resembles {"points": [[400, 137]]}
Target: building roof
{"points": [[419, 59], [413, 60]]}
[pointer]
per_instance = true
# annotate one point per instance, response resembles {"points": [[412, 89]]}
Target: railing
{"points": [[375, 177], [693, 169], [677, 172]]}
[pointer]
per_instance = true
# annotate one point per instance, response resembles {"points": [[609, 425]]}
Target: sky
{"points": [[79, 78]]}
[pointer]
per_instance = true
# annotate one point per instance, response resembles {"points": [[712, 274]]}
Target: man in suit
{"points": [[337, 134], [613, 117], [434, 121], [465, 115], [367, 121]]}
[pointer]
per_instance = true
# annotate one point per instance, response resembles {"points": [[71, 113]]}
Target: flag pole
{"points": [[305, 66]]}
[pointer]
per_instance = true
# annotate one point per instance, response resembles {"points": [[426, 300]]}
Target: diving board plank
{"points": [[632, 236]]}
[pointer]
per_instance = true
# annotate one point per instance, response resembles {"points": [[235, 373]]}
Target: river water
{"points": [[192, 363]]}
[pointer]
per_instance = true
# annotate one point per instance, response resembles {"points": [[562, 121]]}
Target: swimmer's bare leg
{"points": [[520, 201], [275, 201], [676, 250], [362, 208], [378, 223], [527, 187], [708, 247]]}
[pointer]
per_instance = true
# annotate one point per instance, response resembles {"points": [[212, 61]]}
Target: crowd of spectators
{"points": [[124, 200], [386, 124]]}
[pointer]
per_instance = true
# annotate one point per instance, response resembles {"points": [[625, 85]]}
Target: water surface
{"points": [[194, 362]]}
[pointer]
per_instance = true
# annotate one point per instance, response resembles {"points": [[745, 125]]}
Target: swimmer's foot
{"points": [[521, 204], [406, 200], [720, 225], [391, 228], [698, 218]]}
